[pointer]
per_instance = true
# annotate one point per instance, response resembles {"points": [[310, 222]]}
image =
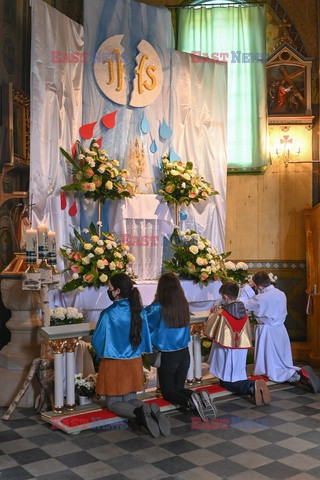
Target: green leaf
{"points": [[189, 165], [72, 285], [78, 236], [71, 187], [70, 159], [92, 229]]}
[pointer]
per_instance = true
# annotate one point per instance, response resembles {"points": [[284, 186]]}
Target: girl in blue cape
{"points": [[169, 324], [120, 338]]}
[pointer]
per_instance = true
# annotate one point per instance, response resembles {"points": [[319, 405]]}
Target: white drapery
{"points": [[56, 110], [192, 102], [199, 119]]}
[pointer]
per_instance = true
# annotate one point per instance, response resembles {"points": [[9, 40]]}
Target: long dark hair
{"points": [[127, 290], [175, 308]]}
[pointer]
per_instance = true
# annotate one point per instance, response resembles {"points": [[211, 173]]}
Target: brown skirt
{"points": [[119, 377]]}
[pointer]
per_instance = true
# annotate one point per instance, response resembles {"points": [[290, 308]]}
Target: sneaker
{"points": [[309, 379], [196, 404], [261, 393], [210, 410], [143, 415]]}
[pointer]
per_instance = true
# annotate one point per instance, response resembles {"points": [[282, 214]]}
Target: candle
{"points": [[31, 240], [52, 255], [42, 240], [52, 242]]}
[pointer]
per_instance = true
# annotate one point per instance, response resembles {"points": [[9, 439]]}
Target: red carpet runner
{"points": [[101, 418]]}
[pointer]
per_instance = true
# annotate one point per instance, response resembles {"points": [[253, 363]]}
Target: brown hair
{"points": [[230, 289], [261, 279], [170, 295]]}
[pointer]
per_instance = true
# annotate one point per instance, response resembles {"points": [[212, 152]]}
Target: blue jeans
{"points": [[242, 387], [172, 375]]}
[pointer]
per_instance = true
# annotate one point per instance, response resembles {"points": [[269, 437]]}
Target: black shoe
{"points": [[197, 405], [143, 415], [161, 419], [309, 379], [210, 410]]}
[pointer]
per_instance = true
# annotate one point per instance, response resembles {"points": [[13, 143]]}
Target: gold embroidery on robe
{"points": [[220, 330]]}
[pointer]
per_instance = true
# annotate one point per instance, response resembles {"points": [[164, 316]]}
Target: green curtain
{"points": [[236, 35]]}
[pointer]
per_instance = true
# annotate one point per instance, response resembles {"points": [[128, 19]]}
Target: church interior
{"points": [[270, 220]]}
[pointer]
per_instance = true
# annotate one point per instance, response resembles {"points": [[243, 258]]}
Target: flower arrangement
{"points": [[194, 258], [85, 386], [65, 316], [237, 272], [180, 184], [206, 344], [96, 175], [94, 260]]}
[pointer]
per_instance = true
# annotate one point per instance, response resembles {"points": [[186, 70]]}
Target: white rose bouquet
{"points": [[180, 183], [95, 175], [94, 260], [237, 272], [194, 258], [65, 316]]}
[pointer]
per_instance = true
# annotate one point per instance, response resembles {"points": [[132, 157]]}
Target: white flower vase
{"points": [[84, 400]]}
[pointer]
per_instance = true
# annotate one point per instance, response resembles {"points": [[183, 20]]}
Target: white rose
{"points": [[131, 257], [87, 246], [201, 245], [94, 238], [98, 251], [103, 278], [194, 249], [112, 266], [100, 264], [85, 261], [241, 266], [230, 266]]}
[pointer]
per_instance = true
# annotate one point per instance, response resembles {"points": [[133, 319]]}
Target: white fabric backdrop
{"points": [[56, 110], [199, 119], [193, 102]]}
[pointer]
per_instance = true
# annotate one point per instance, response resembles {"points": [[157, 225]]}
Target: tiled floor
{"points": [[278, 441]]}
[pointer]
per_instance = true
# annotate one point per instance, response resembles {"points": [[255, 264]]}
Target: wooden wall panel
{"points": [[265, 213]]}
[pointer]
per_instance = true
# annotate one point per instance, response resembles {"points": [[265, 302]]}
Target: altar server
{"points": [[169, 324], [230, 330], [273, 356], [120, 338]]}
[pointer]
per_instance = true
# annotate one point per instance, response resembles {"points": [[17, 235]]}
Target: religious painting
{"points": [[288, 86], [286, 90]]}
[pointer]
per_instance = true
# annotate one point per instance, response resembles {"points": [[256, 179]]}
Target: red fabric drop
{"points": [[86, 131], [99, 142], [63, 201], [109, 120], [73, 209]]}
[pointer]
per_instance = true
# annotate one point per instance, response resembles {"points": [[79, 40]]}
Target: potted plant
{"points": [[85, 387]]}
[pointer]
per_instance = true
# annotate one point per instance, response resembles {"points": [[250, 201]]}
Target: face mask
{"points": [[112, 298]]}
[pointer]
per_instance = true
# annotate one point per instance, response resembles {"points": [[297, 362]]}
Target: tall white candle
{"points": [[42, 240], [31, 240], [52, 243]]}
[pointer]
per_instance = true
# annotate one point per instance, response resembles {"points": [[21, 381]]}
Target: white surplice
{"points": [[228, 364], [273, 356]]}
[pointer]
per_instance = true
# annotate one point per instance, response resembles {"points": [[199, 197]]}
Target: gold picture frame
{"points": [[16, 126]]}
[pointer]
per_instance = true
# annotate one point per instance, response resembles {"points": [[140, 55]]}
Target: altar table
{"points": [[93, 300]]}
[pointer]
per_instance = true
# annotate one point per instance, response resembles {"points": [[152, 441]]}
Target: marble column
{"points": [[16, 357]]}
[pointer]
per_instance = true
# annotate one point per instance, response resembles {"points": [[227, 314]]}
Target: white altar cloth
{"points": [[141, 222], [93, 300]]}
